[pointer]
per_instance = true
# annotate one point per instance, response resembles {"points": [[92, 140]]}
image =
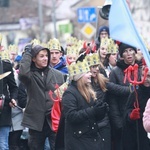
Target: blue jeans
{"points": [[4, 134], [47, 145]]}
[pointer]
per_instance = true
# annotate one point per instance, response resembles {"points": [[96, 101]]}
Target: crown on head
{"points": [[4, 54], [105, 42], [78, 68], [59, 91], [1, 37], [13, 48], [112, 47], [80, 43], [71, 41], [35, 42], [54, 44], [92, 59], [44, 45], [72, 50]]}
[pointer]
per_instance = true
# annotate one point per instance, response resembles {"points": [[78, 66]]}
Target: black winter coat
{"points": [[117, 102], [10, 91], [81, 131], [38, 83], [133, 128]]}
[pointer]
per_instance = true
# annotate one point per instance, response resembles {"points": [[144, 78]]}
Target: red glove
{"points": [[135, 114]]}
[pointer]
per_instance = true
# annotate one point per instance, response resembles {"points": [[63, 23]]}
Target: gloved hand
{"points": [[28, 48], [135, 114], [100, 110]]}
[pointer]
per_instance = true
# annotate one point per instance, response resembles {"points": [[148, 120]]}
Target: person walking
{"points": [[39, 79]]}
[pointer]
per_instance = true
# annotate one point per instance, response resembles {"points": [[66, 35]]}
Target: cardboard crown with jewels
{"points": [[44, 45], [36, 42], [71, 41], [72, 50], [54, 44], [4, 54], [92, 59], [61, 89], [112, 48], [13, 49], [78, 68], [104, 42], [80, 43]]}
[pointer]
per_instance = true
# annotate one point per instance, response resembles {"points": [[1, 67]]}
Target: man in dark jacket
{"points": [[103, 32], [9, 89], [117, 103], [38, 79]]}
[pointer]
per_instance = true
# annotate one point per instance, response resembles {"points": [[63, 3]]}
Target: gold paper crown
{"points": [[35, 42], [71, 40], [54, 44], [72, 50], [4, 54], [13, 48], [1, 37], [80, 44], [59, 92], [112, 48], [92, 59], [105, 42], [44, 45], [78, 68]]}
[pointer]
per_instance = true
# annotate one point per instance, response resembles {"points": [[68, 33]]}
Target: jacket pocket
{"points": [[81, 131]]}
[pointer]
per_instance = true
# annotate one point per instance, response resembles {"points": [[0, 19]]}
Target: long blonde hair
{"points": [[86, 90], [102, 80]]}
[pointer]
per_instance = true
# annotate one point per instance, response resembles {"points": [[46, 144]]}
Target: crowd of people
{"points": [[88, 95]]}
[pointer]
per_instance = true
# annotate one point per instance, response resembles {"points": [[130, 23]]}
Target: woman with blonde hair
{"points": [[82, 111], [102, 87]]}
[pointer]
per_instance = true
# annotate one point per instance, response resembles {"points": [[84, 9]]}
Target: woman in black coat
{"points": [[81, 111], [102, 86]]}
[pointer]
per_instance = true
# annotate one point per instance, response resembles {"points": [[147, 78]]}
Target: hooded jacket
{"points": [[38, 83]]}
